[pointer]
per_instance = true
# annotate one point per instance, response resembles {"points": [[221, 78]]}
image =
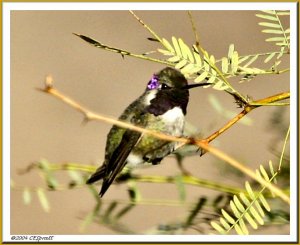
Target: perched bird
{"points": [[162, 108]]}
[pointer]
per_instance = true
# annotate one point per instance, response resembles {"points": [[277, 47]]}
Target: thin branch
{"points": [[205, 54], [89, 115], [186, 179], [147, 27], [248, 108], [123, 52], [283, 148]]}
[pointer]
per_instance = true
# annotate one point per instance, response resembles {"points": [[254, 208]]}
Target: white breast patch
{"points": [[174, 119]]}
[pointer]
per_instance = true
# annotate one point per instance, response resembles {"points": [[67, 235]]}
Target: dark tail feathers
{"points": [[98, 175]]}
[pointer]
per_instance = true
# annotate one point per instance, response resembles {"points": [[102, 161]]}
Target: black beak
{"points": [[189, 86]]}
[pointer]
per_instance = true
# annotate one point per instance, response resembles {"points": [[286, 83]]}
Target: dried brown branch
{"points": [[248, 108], [89, 115]]}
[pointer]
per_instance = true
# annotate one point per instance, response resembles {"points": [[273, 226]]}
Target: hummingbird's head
{"points": [[168, 78], [167, 89]]}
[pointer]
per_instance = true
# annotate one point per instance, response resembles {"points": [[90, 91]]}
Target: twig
{"points": [[123, 52], [147, 27], [283, 148], [205, 54], [89, 115], [248, 108]]}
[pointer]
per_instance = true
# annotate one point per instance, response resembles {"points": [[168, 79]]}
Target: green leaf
{"points": [[194, 212], [195, 69], [225, 224], [272, 31], [212, 60], [124, 211], [254, 58], [218, 228], [134, 193], [283, 12], [176, 46], [201, 77], [212, 79], [282, 44], [168, 45], [224, 65], [270, 56], [206, 65], [264, 203], [174, 59], [243, 58], [267, 17], [245, 199], [243, 227], [264, 173], [164, 52], [181, 64], [234, 62], [275, 39], [26, 196], [75, 176], [220, 85], [235, 210], [251, 221], [280, 54], [259, 208], [230, 51], [272, 171], [180, 187], [258, 174], [186, 52], [256, 215], [273, 12], [188, 68], [227, 217], [238, 204], [197, 59], [43, 199], [108, 212], [249, 190], [238, 230], [49, 176], [268, 24], [88, 219]]}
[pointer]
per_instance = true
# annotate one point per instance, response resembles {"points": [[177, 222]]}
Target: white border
{"points": [[7, 7], [147, 6]]}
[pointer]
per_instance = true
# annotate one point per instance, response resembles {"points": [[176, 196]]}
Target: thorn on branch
{"points": [[85, 120], [152, 39], [237, 99], [48, 82]]}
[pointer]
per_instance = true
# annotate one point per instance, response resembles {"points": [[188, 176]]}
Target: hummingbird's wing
{"points": [[118, 159]]}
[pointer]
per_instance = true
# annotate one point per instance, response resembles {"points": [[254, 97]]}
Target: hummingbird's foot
{"points": [[202, 151], [153, 161]]}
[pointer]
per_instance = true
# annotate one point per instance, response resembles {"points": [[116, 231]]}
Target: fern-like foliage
{"points": [[247, 207], [191, 64], [274, 27]]}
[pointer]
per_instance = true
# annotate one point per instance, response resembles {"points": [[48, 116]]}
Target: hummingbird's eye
{"points": [[165, 86]]}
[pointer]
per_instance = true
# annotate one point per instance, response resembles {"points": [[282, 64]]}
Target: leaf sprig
{"points": [[247, 207]]}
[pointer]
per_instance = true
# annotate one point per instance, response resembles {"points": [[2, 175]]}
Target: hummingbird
{"points": [[162, 107]]}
